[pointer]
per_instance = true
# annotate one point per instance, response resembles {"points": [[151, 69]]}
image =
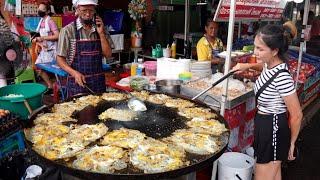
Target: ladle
{"points": [[135, 104]]}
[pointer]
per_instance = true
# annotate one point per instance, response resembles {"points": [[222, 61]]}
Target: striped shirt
{"points": [[67, 39], [270, 100]]}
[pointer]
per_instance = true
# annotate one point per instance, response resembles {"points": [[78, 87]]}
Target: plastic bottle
{"points": [[140, 67], [134, 69], [173, 49]]}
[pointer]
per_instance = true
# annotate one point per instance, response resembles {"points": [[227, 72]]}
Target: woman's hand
{"points": [[38, 48], [291, 152], [215, 60], [38, 39], [240, 67]]}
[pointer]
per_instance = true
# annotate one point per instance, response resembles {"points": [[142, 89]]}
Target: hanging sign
{"points": [[264, 10], [18, 8]]}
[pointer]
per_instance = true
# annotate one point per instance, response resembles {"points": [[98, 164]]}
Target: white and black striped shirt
{"points": [[270, 100]]}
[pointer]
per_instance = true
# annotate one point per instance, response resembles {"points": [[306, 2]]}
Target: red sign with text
{"points": [[254, 9]]}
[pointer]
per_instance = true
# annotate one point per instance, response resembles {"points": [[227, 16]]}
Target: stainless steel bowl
{"points": [[169, 86]]}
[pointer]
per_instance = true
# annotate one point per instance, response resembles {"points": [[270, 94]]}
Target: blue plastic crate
{"points": [[113, 20], [13, 142]]}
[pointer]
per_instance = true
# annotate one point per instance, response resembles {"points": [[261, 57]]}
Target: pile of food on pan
{"points": [[98, 148], [236, 87]]}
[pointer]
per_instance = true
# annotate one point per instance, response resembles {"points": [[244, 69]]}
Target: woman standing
{"points": [[209, 45], [275, 134], [47, 41]]}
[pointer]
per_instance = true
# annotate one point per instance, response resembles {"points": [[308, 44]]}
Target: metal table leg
{"points": [[62, 89]]}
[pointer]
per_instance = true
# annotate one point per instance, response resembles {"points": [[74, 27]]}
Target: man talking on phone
{"points": [[81, 47]]}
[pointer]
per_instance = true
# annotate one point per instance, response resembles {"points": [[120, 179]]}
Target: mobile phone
{"points": [[94, 19]]}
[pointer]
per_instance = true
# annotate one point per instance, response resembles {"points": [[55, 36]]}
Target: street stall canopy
{"points": [[265, 10]]}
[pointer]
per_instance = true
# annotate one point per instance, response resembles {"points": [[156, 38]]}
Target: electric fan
{"points": [[11, 54]]}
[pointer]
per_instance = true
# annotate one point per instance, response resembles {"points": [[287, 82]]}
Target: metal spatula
{"points": [[89, 89], [135, 104]]}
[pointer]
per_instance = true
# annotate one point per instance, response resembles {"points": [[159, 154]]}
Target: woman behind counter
{"points": [[275, 134], [209, 45]]}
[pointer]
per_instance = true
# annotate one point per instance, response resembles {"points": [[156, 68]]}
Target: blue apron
{"points": [[87, 61]]}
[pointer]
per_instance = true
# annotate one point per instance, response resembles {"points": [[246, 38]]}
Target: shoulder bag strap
{"points": [[265, 85]]}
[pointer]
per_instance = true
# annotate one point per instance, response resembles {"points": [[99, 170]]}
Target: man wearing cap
{"points": [[81, 46]]}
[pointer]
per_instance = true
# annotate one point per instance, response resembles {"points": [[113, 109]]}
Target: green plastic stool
{"points": [[27, 75]]}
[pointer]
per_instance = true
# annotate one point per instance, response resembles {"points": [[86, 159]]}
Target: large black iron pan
{"points": [[159, 121]]}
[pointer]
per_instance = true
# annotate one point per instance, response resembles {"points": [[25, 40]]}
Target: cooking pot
{"points": [[169, 86]]}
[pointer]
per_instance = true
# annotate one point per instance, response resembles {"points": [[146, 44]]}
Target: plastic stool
{"points": [[27, 75]]}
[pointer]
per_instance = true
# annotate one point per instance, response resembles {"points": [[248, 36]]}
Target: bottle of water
{"points": [[140, 67]]}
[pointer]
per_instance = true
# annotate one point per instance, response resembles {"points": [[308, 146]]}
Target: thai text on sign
{"points": [[251, 9]]}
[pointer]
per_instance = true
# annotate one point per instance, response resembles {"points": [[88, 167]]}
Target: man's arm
{"points": [[105, 46], [62, 52], [79, 78], [106, 49]]}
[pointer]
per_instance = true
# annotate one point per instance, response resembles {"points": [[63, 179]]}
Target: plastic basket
{"points": [[14, 142], [113, 20], [150, 68], [31, 92]]}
